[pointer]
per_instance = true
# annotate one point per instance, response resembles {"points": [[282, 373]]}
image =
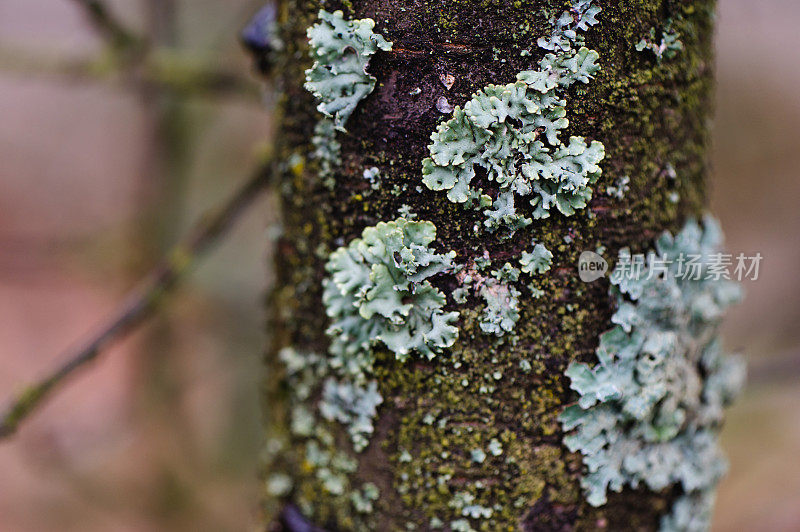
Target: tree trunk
{"points": [[428, 454]]}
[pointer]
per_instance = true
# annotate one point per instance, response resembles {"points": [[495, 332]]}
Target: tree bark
{"points": [[652, 117]]}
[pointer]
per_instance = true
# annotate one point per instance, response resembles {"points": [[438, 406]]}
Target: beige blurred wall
{"points": [[163, 433], [756, 193]]}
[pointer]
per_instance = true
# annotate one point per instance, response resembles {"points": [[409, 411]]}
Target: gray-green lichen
{"points": [[565, 28], [373, 176], [464, 503], [512, 132], [537, 261], [345, 400], [327, 150], [649, 409], [502, 307], [690, 513], [507, 273], [501, 312], [352, 405], [378, 291], [667, 48], [341, 50], [620, 188]]}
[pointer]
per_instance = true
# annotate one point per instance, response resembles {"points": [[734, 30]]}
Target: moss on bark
{"points": [[649, 115]]}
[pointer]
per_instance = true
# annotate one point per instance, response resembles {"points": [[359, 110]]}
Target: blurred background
{"points": [[99, 173]]}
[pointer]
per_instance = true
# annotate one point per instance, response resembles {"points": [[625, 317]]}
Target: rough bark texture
{"points": [[649, 115]]}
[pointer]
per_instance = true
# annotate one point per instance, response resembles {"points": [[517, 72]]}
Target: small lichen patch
{"points": [[667, 47], [649, 410], [373, 176], [512, 133], [478, 456], [344, 401], [537, 261], [502, 307], [619, 189], [507, 273], [354, 406], [501, 312], [565, 28], [364, 499], [379, 291], [327, 150], [279, 484], [495, 447], [341, 50], [690, 513]]}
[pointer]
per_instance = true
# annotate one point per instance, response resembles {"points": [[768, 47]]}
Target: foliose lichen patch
{"points": [[649, 409], [538, 260], [510, 134], [502, 307], [341, 50], [379, 291]]}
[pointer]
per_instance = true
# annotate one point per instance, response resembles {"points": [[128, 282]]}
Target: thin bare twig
{"points": [[173, 73], [118, 36], [134, 62], [141, 303]]}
